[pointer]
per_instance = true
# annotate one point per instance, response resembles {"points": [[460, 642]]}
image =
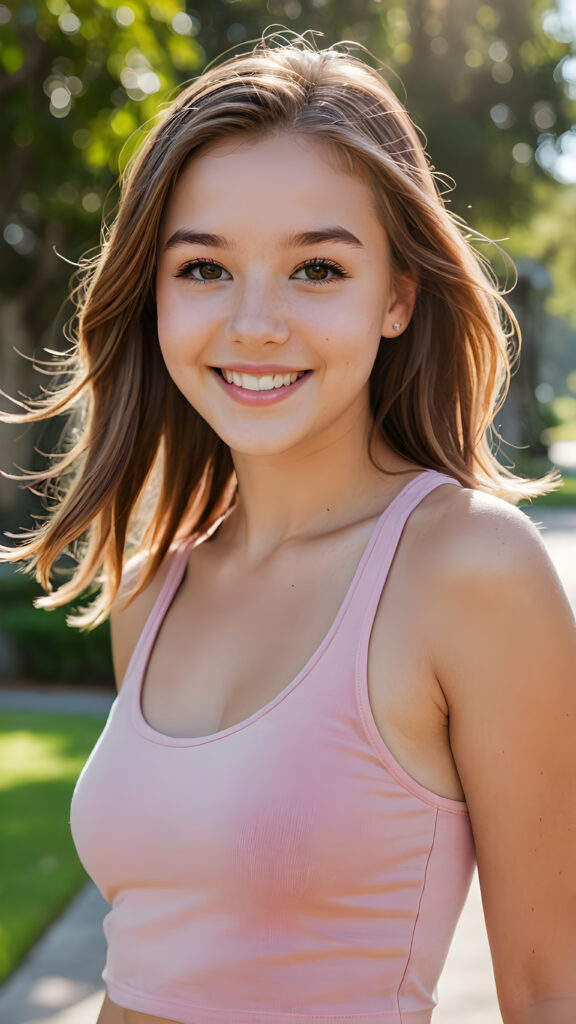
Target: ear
{"points": [[403, 292]]}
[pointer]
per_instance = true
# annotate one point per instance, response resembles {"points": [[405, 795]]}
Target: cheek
{"points": [[167, 322], [352, 339], [177, 331]]}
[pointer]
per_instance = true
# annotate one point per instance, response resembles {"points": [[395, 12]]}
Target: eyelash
{"points": [[338, 271]]}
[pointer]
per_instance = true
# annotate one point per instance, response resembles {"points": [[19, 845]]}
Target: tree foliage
{"points": [[493, 86], [78, 78]]}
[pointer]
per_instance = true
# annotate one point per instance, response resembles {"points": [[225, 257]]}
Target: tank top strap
{"points": [[386, 538], [177, 561]]}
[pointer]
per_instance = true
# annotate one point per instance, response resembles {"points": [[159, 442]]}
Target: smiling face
{"points": [[273, 289]]}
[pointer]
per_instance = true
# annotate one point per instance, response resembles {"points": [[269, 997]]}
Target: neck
{"points": [[329, 484]]}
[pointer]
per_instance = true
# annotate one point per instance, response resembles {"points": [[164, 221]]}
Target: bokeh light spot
{"points": [[69, 23], [473, 58], [149, 82], [20, 238], [91, 202], [522, 153], [556, 23], [60, 98], [543, 115], [124, 16], [487, 17], [13, 234], [182, 23], [74, 85], [501, 115], [544, 392], [403, 53], [502, 73], [498, 51], [292, 9]]}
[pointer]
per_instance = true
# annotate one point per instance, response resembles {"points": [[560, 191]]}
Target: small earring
{"points": [[397, 326]]}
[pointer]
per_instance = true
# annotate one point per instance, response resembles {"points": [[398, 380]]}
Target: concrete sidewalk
{"points": [[59, 982]]}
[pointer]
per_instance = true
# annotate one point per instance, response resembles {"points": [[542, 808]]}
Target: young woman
{"points": [[345, 663]]}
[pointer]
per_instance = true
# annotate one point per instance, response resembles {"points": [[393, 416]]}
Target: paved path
{"points": [[60, 983]]}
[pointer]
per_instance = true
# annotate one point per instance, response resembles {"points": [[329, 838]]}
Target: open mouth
{"points": [[260, 382]]}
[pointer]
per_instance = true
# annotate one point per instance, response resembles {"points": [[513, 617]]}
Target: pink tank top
{"points": [[284, 870]]}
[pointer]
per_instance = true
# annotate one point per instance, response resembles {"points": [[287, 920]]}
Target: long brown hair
{"points": [[433, 397]]}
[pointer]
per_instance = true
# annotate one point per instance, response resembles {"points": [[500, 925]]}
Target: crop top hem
{"points": [[161, 1006]]}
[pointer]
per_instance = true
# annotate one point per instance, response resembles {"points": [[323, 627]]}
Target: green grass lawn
{"points": [[41, 756]]}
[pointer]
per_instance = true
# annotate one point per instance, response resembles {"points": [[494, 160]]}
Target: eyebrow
{"points": [[186, 236]]}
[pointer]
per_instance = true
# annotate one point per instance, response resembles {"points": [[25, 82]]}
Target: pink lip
{"points": [[257, 369], [246, 397]]}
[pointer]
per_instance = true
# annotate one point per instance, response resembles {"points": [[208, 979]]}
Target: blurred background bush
{"points": [[492, 86]]}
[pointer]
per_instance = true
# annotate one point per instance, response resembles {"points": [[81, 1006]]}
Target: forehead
{"points": [[270, 179]]}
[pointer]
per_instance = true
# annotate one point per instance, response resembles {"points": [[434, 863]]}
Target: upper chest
{"points": [[232, 641], [233, 638]]}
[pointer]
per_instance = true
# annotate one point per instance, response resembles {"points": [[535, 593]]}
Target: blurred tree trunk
{"points": [[18, 442], [521, 417]]}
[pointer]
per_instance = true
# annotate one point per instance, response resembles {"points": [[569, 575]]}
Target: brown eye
{"points": [[320, 271], [209, 271], [203, 270], [317, 271]]}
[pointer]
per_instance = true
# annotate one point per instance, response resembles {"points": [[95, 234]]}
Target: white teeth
{"points": [[266, 382]]}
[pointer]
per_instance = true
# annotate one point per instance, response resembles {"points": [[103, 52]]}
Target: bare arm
{"points": [[505, 656], [110, 1013], [126, 624]]}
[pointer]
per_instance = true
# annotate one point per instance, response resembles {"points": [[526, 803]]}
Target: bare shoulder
{"points": [[127, 617], [488, 584], [470, 535]]}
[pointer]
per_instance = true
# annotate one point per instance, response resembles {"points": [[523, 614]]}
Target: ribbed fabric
{"points": [[285, 869]]}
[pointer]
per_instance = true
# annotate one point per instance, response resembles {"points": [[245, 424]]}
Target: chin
{"points": [[261, 445]]}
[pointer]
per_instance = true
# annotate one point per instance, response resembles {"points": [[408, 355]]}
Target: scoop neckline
{"points": [[140, 665]]}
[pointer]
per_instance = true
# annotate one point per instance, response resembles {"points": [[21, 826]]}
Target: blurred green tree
{"points": [[492, 85], [76, 83]]}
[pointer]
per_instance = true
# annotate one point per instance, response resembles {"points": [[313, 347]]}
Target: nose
{"points": [[256, 317]]}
